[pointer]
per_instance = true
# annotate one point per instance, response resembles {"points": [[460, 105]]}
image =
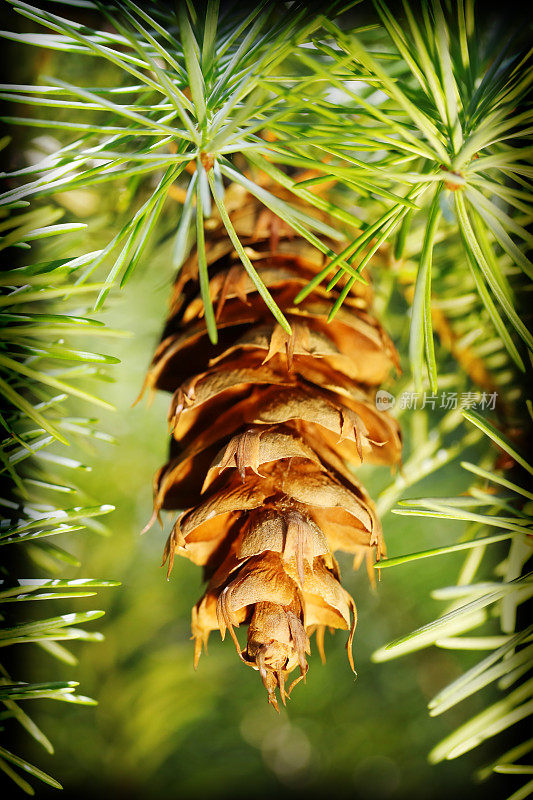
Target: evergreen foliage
{"points": [[36, 374], [418, 120]]}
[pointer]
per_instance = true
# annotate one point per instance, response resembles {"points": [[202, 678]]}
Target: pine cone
{"points": [[265, 425]]}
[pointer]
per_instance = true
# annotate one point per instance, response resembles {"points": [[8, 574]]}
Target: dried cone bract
{"points": [[266, 427]]}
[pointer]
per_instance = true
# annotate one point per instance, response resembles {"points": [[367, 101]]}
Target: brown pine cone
{"points": [[265, 427]]}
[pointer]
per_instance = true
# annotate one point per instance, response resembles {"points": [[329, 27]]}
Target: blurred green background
{"points": [[160, 729]]}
